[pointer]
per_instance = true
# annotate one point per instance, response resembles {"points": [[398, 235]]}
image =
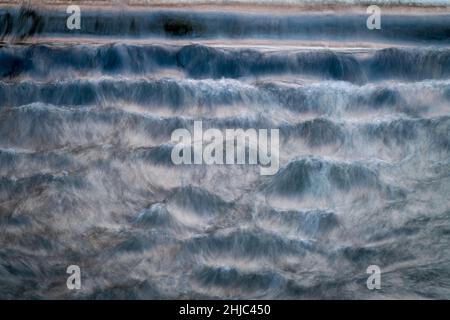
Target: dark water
{"points": [[86, 176]]}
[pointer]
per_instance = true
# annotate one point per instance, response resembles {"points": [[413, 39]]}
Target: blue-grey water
{"points": [[86, 176]]}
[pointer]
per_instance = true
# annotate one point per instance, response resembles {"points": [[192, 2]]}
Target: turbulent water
{"points": [[86, 176]]}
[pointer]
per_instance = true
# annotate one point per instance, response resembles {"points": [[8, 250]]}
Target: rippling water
{"points": [[86, 176]]}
